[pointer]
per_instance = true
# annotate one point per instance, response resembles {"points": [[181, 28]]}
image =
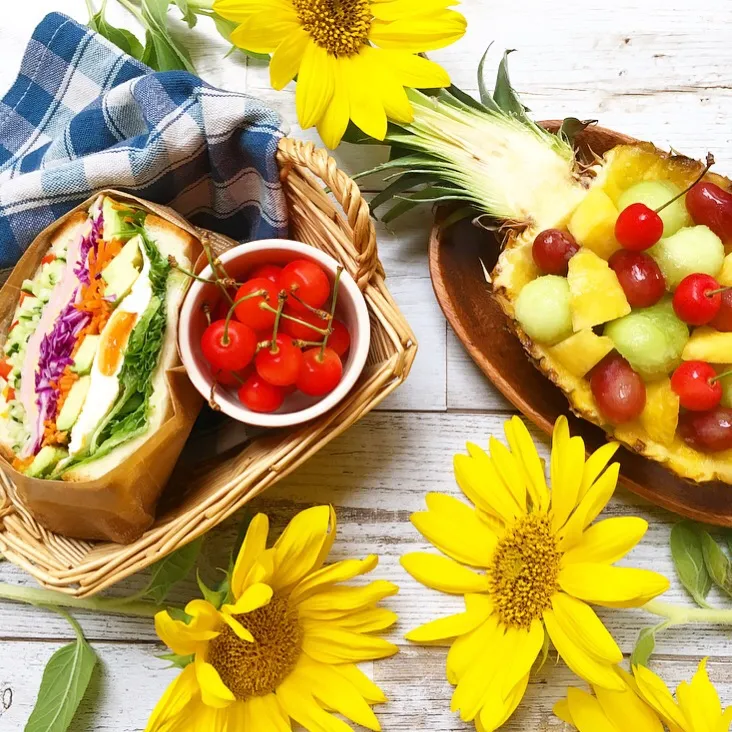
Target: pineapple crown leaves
{"points": [[430, 158]]}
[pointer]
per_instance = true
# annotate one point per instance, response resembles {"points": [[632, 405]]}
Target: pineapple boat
{"points": [[612, 274]]}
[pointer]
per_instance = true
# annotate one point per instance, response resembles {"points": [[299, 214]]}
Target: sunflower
{"points": [[543, 561], [286, 646], [645, 703], [352, 58]]}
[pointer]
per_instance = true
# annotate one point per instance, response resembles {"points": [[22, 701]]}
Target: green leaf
{"points": [[414, 160], [464, 212], [65, 681], [399, 209], [485, 96], [717, 563], [504, 94], [188, 15], [571, 127], [176, 660], [162, 52], [646, 644], [435, 194], [121, 37], [225, 28], [171, 570], [215, 597], [403, 183], [688, 557], [177, 614]]}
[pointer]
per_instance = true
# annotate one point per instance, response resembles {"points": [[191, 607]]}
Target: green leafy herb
{"points": [[646, 644], [65, 681], [216, 596], [187, 12], [172, 569], [717, 563], [121, 37], [688, 557]]}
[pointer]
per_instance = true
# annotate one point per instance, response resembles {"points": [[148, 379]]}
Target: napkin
{"points": [[82, 116]]}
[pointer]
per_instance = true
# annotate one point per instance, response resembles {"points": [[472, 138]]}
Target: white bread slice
{"points": [[170, 240]]}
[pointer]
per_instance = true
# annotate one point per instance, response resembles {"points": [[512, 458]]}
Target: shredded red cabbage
{"points": [[91, 240]]}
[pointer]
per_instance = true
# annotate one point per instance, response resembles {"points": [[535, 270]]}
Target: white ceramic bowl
{"points": [[298, 407]]}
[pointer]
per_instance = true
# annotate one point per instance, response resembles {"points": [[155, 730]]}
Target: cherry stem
{"points": [[281, 297], [234, 374], [256, 293], [723, 375], [207, 312], [302, 344], [333, 302], [212, 398], [710, 293], [212, 262], [710, 162], [270, 309], [322, 314]]}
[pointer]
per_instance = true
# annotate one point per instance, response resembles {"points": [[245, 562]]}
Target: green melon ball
{"points": [[650, 339], [542, 309], [654, 193], [690, 250]]}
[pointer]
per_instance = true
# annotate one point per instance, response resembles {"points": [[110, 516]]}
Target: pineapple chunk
{"points": [[593, 223], [581, 351], [595, 295], [725, 275], [707, 344], [661, 413]]}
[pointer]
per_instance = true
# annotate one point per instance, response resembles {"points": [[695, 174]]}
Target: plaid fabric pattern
{"points": [[82, 116]]}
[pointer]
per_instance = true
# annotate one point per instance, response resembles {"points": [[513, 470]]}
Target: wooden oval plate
{"points": [[455, 256]]}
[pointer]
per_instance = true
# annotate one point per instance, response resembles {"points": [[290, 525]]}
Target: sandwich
{"points": [[83, 372]]}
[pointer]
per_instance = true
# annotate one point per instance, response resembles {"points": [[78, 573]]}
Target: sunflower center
{"points": [[340, 26], [256, 669], [524, 572]]}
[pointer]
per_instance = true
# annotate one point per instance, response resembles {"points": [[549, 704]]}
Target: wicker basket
{"points": [[82, 568]]}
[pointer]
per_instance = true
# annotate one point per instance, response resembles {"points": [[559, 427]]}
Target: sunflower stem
{"points": [[49, 598], [679, 615]]}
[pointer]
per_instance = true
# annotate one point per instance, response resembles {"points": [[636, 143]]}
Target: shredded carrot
{"points": [[92, 295], [51, 436], [20, 464]]}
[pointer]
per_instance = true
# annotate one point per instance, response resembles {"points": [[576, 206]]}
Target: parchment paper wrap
{"points": [[120, 505]]}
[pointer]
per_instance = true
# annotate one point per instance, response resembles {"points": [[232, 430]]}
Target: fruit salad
{"points": [[626, 305]]}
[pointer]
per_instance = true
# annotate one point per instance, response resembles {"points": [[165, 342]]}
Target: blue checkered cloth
{"points": [[83, 116]]}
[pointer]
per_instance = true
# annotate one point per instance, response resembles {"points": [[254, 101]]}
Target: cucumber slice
{"points": [[45, 461]]}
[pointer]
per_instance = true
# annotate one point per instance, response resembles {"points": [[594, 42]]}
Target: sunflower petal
{"points": [[609, 586], [262, 32], [367, 621], [495, 714], [469, 647], [183, 638], [416, 35], [338, 572], [305, 710], [238, 628], [587, 714], [512, 476], [287, 58], [452, 626], [561, 710], [626, 710], [652, 689], [315, 84], [255, 542], [240, 10], [699, 700], [398, 9], [524, 449], [265, 714], [365, 686], [335, 602], [596, 463], [443, 574], [328, 644], [214, 693], [567, 464], [253, 598], [366, 109], [174, 702], [607, 541]]}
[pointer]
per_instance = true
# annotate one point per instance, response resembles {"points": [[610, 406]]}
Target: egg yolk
{"points": [[114, 339]]}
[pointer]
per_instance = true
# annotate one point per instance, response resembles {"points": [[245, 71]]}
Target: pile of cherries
{"points": [[699, 299], [271, 336]]}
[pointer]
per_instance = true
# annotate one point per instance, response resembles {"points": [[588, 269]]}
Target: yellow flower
{"points": [[644, 703], [544, 561], [352, 58], [286, 647]]}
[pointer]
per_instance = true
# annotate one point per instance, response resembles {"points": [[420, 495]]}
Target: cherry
{"points": [[723, 319], [221, 309], [697, 386], [269, 272], [307, 282], [260, 396], [697, 299], [229, 348], [320, 372], [639, 276], [711, 206], [229, 378], [552, 250], [300, 331], [638, 227], [279, 364], [250, 311], [618, 390], [707, 431], [339, 340]]}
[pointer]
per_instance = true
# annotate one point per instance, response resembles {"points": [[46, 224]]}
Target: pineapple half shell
{"points": [[653, 434]]}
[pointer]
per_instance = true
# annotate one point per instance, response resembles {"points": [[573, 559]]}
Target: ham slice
{"points": [[73, 232]]}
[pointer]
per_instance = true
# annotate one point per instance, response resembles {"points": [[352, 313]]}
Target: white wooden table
{"points": [[660, 70]]}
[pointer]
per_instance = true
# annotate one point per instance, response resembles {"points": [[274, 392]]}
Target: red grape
{"points": [[279, 366], [299, 331], [692, 381], [723, 319], [250, 311], [307, 281], [693, 302], [269, 272], [552, 250], [618, 390], [707, 431], [639, 276], [232, 353], [711, 205], [339, 340], [319, 374], [638, 227], [261, 396]]}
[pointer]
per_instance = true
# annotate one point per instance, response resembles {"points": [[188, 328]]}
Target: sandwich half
{"points": [[83, 377]]}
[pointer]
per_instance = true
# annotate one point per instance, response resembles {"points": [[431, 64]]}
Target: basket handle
{"points": [[298, 152]]}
